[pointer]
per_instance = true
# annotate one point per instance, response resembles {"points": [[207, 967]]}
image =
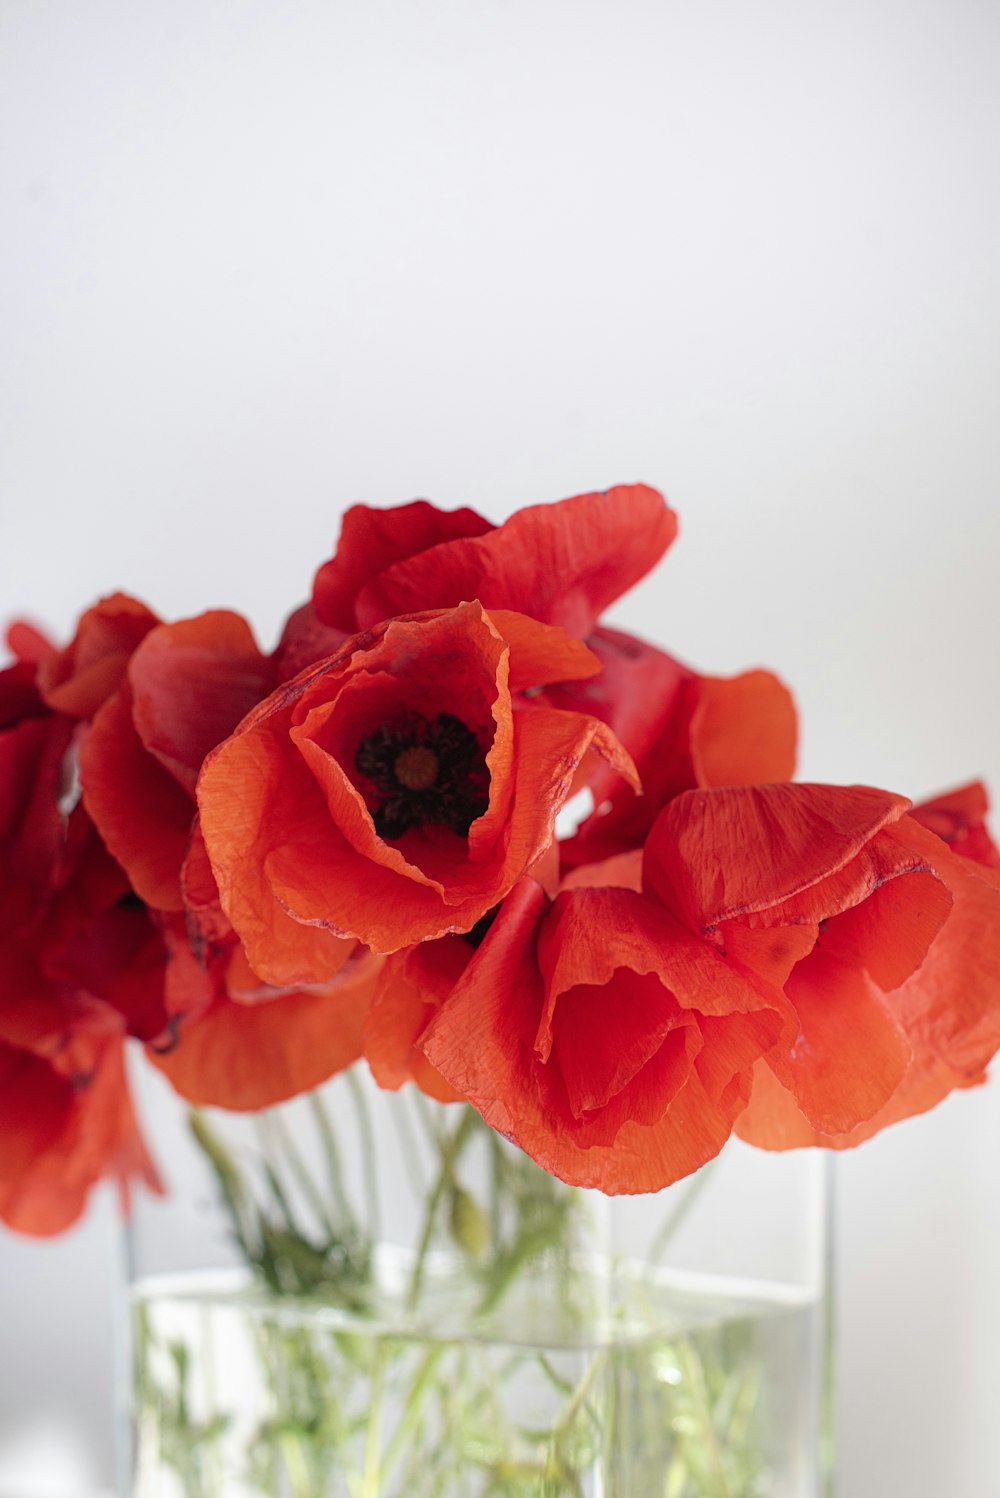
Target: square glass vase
{"points": [[362, 1294]]}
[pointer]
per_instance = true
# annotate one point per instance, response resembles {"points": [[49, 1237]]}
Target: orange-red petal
{"points": [[78, 679], [192, 682], [372, 541], [958, 817], [559, 563], [716, 854], [249, 1056], [141, 812]]}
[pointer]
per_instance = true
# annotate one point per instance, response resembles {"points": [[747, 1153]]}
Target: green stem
{"points": [[411, 1410], [450, 1146], [372, 1483]]}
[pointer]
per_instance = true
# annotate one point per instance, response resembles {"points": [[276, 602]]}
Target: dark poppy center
{"points": [[421, 770]]}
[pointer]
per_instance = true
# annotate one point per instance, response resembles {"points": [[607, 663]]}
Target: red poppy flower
{"points": [[186, 686], [947, 1010], [682, 730], [81, 965], [66, 1117], [396, 791], [614, 1046], [834, 893], [560, 563]]}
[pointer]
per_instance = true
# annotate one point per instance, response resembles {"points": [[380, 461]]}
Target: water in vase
{"points": [[590, 1384]]}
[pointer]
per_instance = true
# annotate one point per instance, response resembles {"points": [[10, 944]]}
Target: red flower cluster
{"points": [[263, 867]]}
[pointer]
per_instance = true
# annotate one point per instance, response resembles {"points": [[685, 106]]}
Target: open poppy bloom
{"points": [[609, 1042], [860, 914], [396, 791]]}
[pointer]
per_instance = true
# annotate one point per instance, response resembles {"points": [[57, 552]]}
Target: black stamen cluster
{"points": [[459, 792]]}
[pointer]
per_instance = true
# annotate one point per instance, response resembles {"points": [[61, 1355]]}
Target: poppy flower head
{"points": [[834, 894], [396, 791], [608, 1042]]}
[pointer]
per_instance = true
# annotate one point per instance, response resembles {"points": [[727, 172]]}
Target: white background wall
{"points": [[258, 261]]}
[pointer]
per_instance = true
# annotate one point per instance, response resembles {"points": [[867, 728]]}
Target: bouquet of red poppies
{"points": [[261, 868]]}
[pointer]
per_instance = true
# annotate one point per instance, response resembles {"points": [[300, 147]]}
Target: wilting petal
{"points": [[559, 563]]}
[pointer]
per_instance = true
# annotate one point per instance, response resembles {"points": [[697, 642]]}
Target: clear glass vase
{"points": [[372, 1295]]}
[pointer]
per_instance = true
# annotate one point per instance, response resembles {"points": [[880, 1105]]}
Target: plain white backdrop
{"points": [[259, 261]]}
